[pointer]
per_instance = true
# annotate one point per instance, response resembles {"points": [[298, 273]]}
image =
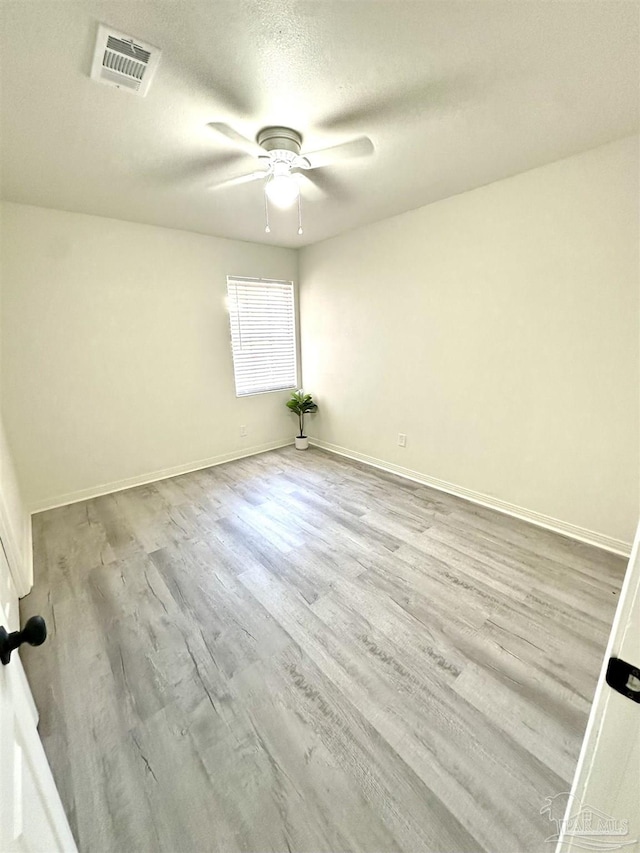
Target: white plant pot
{"points": [[302, 443]]}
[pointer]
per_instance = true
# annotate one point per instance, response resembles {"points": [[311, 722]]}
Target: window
{"points": [[263, 334]]}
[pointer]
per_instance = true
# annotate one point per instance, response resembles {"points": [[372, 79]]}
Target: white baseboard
{"points": [[152, 477], [590, 537]]}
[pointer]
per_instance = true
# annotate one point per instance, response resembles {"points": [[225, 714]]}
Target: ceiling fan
{"points": [[283, 167]]}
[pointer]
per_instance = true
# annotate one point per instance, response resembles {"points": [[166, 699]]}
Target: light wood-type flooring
{"points": [[296, 652]]}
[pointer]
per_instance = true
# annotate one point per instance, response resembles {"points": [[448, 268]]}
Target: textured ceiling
{"points": [[453, 95]]}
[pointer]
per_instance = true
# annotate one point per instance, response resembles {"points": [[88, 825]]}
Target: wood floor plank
{"points": [[346, 743], [297, 652], [450, 748]]}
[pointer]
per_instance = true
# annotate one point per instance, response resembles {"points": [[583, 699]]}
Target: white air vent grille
{"points": [[123, 62], [135, 51]]}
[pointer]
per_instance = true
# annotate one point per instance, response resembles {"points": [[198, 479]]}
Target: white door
{"points": [[603, 811], [31, 815]]}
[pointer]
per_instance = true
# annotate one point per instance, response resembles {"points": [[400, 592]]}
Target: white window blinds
{"points": [[263, 334]]}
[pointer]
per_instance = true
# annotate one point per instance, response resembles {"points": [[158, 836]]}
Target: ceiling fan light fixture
{"points": [[282, 190], [283, 165]]}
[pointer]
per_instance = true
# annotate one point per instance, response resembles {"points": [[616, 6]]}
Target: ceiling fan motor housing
{"points": [[279, 139]]}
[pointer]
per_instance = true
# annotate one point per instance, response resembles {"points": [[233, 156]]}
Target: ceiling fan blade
{"points": [[320, 185], [192, 171], [430, 96], [241, 179], [309, 188], [360, 147], [237, 138]]}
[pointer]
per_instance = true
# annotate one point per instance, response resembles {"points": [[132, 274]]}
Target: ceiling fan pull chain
{"points": [[266, 212], [299, 214]]}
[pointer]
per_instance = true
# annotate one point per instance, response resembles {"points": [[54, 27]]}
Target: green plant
{"points": [[301, 404]]}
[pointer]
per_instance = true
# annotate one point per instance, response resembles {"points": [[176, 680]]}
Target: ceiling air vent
{"points": [[123, 62]]}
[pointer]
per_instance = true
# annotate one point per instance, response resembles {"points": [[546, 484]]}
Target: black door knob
{"points": [[34, 633]]}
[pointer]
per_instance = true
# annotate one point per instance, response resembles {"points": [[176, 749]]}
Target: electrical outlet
{"points": [[402, 439], [243, 431]]}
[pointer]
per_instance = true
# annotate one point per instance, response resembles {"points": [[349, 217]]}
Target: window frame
{"points": [[296, 332]]}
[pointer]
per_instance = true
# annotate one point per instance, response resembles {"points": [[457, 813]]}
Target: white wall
{"points": [[498, 329], [116, 361]]}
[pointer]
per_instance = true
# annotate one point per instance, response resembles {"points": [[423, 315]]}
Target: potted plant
{"points": [[301, 404]]}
